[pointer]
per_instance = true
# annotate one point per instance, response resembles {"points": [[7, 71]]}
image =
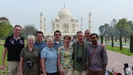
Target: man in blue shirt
{"points": [[39, 43], [57, 41]]}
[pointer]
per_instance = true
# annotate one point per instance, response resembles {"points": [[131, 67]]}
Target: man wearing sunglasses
{"points": [[57, 39]]}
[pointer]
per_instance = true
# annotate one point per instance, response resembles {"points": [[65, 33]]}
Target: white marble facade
{"points": [[64, 22]]}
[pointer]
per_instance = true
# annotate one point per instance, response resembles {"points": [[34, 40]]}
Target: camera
{"points": [[79, 59], [30, 63]]}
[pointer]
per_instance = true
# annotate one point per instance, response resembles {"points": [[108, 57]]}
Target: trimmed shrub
{"points": [[108, 37], [112, 41], [101, 37], [74, 36], [131, 43], [125, 39], [120, 40]]}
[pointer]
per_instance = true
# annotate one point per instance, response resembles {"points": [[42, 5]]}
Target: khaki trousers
{"points": [[13, 68], [79, 72], [67, 72]]}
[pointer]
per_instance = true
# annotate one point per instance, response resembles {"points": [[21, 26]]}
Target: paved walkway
{"points": [[117, 60]]}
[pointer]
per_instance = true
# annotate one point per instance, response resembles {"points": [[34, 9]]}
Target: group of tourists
{"points": [[54, 57]]}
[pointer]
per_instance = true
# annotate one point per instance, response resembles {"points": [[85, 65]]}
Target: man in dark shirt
{"points": [[12, 47], [96, 57]]}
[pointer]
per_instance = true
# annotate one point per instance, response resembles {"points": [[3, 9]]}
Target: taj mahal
{"points": [[64, 22]]}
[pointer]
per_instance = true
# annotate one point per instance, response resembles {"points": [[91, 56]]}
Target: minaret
{"points": [[52, 25], [41, 22], [44, 25], [90, 27], [81, 24]]}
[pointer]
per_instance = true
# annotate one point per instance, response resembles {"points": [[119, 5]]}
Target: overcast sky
{"points": [[24, 12]]}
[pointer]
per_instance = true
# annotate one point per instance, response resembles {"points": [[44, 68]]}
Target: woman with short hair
{"points": [[65, 61], [30, 58], [49, 58]]}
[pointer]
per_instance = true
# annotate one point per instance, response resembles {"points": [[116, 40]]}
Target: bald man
{"points": [[87, 35]]}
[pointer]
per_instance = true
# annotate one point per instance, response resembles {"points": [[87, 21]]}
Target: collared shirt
{"points": [[99, 58], [34, 57], [56, 45], [80, 51], [50, 54], [16, 38], [66, 58], [14, 47], [40, 46]]}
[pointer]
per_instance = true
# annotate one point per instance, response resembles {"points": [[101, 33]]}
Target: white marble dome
{"points": [[73, 17], [57, 18], [64, 13]]}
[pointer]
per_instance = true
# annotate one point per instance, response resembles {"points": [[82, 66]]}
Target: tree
{"points": [[113, 22], [101, 29], [123, 27], [5, 27], [28, 30], [106, 26], [131, 43], [116, 32], [130, 23], [111, 28]]}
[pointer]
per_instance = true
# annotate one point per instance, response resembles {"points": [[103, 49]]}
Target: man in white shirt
{"points": [[126, 69]]}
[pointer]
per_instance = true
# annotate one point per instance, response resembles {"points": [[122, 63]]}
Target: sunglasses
{"points": [[57, 34]]}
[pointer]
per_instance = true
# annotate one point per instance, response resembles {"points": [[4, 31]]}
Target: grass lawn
{"points": [[117, 49], [116, 41], [1, 51]]}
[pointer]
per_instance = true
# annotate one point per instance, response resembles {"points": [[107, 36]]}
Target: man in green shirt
{"points": [[80, 48]]}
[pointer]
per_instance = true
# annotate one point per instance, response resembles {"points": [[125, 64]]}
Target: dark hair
{"points": [[67, 37], [57, 31], [126, 64], [39, 32], [119, 74], [17, 26], [94, 34], [79, 32]]}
